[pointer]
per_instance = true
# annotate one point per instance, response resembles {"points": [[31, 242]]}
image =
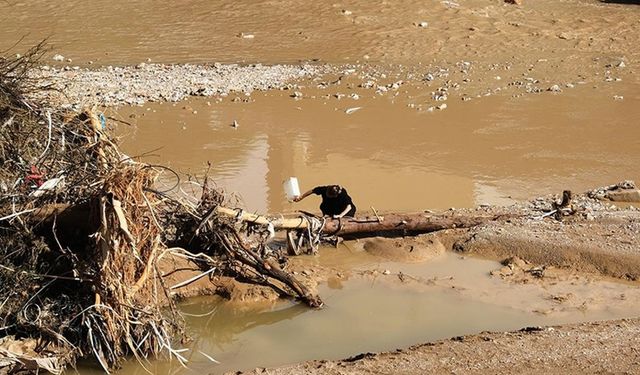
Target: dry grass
{"points": [[82, 230]]}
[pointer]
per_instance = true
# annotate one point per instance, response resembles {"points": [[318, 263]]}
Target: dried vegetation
{"points": [[82, 231]]}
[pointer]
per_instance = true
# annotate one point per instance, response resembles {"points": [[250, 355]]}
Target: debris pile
{"points": [[82, 230]]}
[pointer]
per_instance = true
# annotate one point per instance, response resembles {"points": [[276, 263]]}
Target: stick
{"points": [[376, 213]]}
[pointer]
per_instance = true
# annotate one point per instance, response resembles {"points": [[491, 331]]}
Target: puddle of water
{"points": [[491, 150], [380, 313]]}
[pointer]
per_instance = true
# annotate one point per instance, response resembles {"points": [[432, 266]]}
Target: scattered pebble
{"points": [[554, 88], [58, 58], [618, 97], [422, 24]]}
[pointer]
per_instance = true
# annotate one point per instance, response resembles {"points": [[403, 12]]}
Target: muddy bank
{"points": [[609, 347]]}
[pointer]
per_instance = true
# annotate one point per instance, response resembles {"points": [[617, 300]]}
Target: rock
{"points": [[386, 272], [554, 88], [296, 94], [422, 24], [347, 12], [514, 262], [621, 64], [505, 271], [442, 106], [624, 195], [618, 97], [58, 58], [514, 2]]}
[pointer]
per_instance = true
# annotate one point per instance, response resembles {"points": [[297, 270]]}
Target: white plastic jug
{"points": [[291, 188]]}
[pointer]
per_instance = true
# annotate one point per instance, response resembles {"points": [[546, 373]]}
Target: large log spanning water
{"points": [[389, 224]]}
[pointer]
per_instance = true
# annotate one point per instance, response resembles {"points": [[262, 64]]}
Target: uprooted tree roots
{"points": [[82, 230]]}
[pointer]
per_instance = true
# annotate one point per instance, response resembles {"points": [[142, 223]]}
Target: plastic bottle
{"points": [[291, 188]]}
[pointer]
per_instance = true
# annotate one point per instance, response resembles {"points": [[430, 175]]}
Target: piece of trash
{"points": [[35, 176], [422, 24], [48, 185], [235, 124], [103, 121], [351, 110], [246, 36]]}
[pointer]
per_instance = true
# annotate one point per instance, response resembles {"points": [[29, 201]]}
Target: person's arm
{"points": [[303, 196], [347, 209]]}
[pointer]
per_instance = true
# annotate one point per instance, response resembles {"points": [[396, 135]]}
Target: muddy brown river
{"points": [[392, 157], [514, 136]]}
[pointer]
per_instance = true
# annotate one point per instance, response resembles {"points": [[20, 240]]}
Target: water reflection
{"points": [[393, 158], [227, 321]]}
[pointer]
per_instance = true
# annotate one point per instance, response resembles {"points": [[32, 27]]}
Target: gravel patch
{"points": [[135, 85]]}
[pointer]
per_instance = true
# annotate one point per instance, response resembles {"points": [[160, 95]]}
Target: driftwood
{"points": [[271, 268], [390, 224], [400, 224]]}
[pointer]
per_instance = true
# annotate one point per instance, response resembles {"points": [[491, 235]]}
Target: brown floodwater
{"points": [[274, 31], [453, 296], [390, 156]]}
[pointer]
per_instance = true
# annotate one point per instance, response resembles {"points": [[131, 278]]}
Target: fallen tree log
{"points": [[401, 224], [390, 224]]}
